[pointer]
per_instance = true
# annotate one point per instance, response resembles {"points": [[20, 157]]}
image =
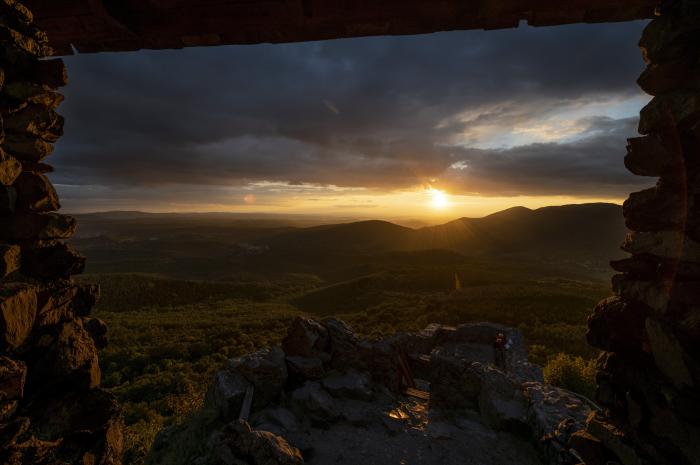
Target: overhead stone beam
{"points": [[121, 25]]}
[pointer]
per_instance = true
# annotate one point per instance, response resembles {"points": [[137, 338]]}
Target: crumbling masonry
{"points": [[52, 410], [649, 374]]}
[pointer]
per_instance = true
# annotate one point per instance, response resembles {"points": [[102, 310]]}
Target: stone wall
{"points": [[649, 374], [52, 410]]}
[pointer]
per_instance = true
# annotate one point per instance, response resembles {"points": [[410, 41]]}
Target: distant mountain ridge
{"points": [[594, 230]]}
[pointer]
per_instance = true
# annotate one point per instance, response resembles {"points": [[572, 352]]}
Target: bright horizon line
{"points": [[331, 215]]}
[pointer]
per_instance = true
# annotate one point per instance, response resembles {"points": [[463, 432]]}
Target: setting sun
{"points": [[438, 199]]}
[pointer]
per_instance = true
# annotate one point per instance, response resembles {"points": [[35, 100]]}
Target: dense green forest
{"points": [[180, 299], [168, 337]]}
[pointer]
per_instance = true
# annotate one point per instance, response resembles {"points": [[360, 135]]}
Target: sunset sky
{"points": [[433, 127]]}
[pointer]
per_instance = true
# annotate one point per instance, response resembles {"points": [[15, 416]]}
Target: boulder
{"points": [[454, 383], [613, 439], [549, 406], [226, 393], [259, 447], [10, 168], [25, 93], [13, 374], [343, 343], [670, 37], [661, 296], [8, 200], [36, 120], [278, 417], [18, 308], [266, 370], [97, 329], [37, 226], [651, 268], [380, 359], [305, 367], [351, 385], [682, 435], [667, 111], [590, 449], [51, 73], [672, 245], [668, 353], [86, 297], [656, 209], [65, 354], [660, 78], [9, 259], [649, 156], [311, 399], [85, 424], [617, 324], [36, 193], [305, 338], [502, 404], [27, 148], [51, 260]]}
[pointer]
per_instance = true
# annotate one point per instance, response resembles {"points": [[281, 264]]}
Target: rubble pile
{"points": [[325, 391], [52, 409], [649, 374]]}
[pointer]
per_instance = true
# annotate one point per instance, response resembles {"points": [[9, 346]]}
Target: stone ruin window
{"points": [[52, 408]]}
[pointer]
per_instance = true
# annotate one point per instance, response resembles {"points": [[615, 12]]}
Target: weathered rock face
{"points": [[52, 410], [649, 376], [328, 395]]}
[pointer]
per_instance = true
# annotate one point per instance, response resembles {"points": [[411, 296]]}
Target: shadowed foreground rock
{"points": [[52, 410], [352, 406], [649, 375]]}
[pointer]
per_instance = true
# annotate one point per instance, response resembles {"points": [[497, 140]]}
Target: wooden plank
{"points": [[247, 403], [417, 393]]}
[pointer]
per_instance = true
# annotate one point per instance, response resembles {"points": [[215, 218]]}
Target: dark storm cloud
{"points": [[374, 112]]}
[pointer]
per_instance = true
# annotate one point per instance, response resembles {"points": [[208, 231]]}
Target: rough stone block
{"points": [[305, 338], [662, 297], [664, 112], [25, 93], [670, 77], [97, 330], [85, 299], [36, 193], [648, 156], [668, 353], [50, 73], [226, 393], [8, 200], [266, 370], [10, 168], [13, 374], [35, 120], [27, 148], [53, 260], [650, 267], [617, 324], [10, 258], [305, 368], [657, 209], [18, 307], [613, 439], [37, 226], [667, 424], [670, 38], [673, 245], [65, 354]]}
